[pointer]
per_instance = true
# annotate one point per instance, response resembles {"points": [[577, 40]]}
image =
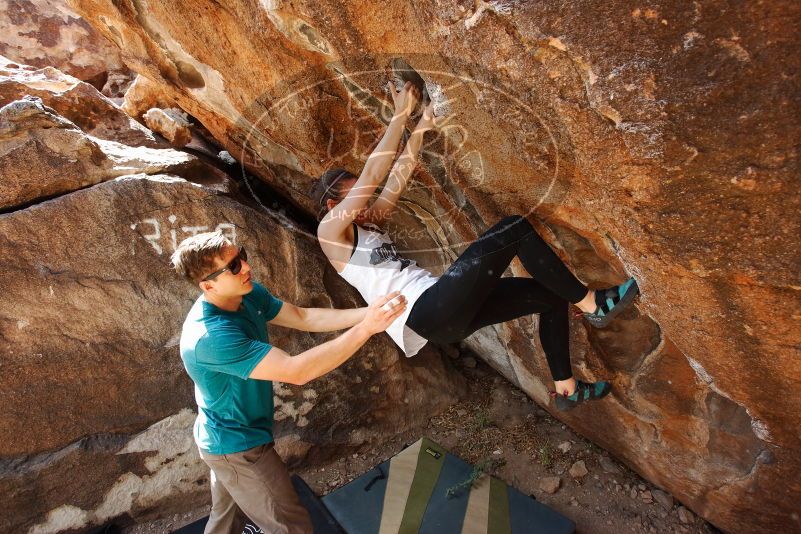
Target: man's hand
{"points": [[383, 311], [308, 365], [404, 100]]}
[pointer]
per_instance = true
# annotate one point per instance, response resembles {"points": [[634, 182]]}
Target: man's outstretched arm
{"points": [[317, 361], [317, 319]]}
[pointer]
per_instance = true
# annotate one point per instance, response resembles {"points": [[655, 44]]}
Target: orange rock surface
{"points": [[658, 141]]}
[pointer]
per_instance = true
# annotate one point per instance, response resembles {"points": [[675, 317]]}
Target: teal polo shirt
{"points": [[219, 350]]}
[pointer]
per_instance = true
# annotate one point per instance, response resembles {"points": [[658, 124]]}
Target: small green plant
{"points": [[545, 454], [487, 465], [481, 420]]}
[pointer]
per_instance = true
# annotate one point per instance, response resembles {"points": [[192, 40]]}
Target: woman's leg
{"points": [[454, 307], [600, 306], [539, 260], [518, 297], [447, 308]]}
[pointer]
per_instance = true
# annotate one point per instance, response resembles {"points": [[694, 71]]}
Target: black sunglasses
{"points": [[235, 265]]}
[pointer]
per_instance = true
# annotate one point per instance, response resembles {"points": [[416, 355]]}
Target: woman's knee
{"points": [[516, 225], [556, 308], [514, 219]]}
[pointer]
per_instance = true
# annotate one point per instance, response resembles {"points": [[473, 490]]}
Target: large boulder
{"points": [[32, 135], [47, 33], [75, 100], [43, 154], [171, 124], [98, 410], [654, 141], [142, 96], [90, 321]]}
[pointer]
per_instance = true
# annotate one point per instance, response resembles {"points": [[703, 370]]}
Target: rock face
{"points": [[657, 141], [143, 95], [30, 133], [58, 347], [44, 154], [46, 33], [75, 100], [98, 409], [171, 124]]}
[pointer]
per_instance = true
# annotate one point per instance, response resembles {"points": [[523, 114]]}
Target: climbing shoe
{"points": [[610, 302], [585, 391]]}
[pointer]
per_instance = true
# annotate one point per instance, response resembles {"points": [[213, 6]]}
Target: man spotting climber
{"points": [[226, 351]]}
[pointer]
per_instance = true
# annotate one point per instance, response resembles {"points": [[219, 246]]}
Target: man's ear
{"points": [[330, 203], [205, 286]]}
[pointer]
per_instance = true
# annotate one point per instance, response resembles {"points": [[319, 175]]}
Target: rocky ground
{"points": [[527, 448]]}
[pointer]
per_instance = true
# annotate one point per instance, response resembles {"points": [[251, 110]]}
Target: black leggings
{"points": [[471, 294]]}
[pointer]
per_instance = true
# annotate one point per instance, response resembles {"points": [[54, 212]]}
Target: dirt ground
{"points": [[525, 447]]}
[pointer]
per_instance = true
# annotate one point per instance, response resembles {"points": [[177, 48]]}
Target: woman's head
{"points": [[331, 188]]}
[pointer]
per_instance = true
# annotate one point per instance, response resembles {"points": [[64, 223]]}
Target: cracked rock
{"points": [[171, 124], [550, 484], [578, 470]]}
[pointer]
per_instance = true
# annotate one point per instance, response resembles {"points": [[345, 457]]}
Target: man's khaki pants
{"points": [[257, 483]]}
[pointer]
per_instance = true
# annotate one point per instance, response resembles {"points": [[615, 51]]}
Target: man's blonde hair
{"points": [[194, 258]]}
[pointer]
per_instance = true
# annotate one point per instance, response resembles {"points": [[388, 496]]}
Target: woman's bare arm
{"points": [[333, 226], [385, 205]]}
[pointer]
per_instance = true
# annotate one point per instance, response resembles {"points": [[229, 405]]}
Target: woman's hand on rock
{"points": [[427, 120], [404, 100]]}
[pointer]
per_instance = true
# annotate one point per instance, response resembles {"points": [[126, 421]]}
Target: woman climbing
{"points": [[471, 293]]}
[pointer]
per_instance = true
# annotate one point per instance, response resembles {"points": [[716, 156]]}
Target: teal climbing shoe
{"points": [[611, 302], [585, 391]]}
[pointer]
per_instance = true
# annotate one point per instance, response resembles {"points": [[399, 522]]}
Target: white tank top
{"points": [[376, 269]]}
